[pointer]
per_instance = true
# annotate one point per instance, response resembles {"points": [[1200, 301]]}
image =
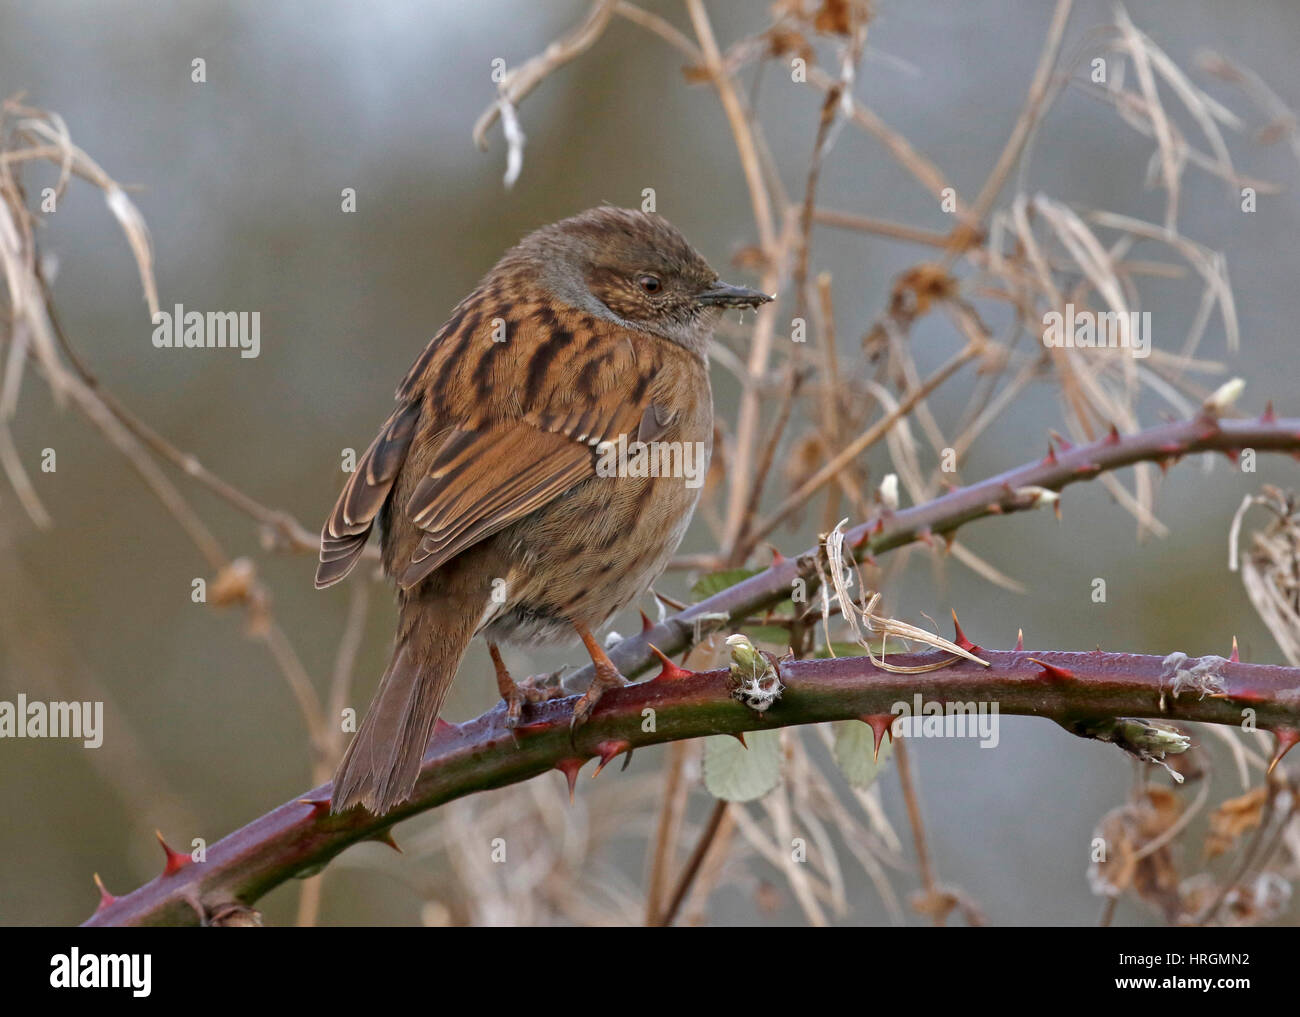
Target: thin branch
{"points": [[696, 860], [527, 76], [670, 817], [902, 757], [869, 437], [294, 534], [1081, 691], [881, 227], [1029, 117]]}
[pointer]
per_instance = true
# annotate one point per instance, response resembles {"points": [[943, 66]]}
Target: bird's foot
{"points": [[606, 678], [536, 688]]}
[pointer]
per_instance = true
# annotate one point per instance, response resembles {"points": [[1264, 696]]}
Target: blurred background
{"points": [[240, 180]]}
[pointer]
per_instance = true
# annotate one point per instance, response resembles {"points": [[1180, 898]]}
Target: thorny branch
{"points": [[1013, 491], [1081, 691], [480, 754]]}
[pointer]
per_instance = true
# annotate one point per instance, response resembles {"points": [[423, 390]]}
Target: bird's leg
{"points": [[510, 692], [607, 677], [534, 689]]}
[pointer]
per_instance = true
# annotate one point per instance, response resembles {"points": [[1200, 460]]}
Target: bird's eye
{"points": [[649, 283]]}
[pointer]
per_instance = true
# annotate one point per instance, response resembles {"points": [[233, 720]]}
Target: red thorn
{"points": [[1050, 458], [105, 898], [1052, 671], [441, 725], [880, 724], [777, 557], [175, 861], [1020, 639], [1065, 445], [608, 750], [1112, 436], [740, 737], [319, 806], [994, 509], [960, 637], [1236, 657], [1268, 416], [671, 672], [878, 526], [570, 767], [1171, 448], [534, 726], [1287, 737], [1231, 454], [386, 837], [1087, 469], [646, 623], [1208, 432]]}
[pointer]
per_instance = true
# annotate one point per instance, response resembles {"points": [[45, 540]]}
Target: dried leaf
{"points": [[921, 286], [841, 17], [1124, 833], [234, 584], [1233, 818]]}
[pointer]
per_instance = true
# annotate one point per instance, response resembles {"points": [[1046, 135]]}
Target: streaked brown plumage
{"points": [[485, 473]]}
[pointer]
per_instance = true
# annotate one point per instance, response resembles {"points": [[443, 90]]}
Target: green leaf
{"points": [[736, 774], [854, 744], [785, 609], [769, 635], [716, 582]]}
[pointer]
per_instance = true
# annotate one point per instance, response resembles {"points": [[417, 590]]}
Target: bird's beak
{"points": [[725, 295]]}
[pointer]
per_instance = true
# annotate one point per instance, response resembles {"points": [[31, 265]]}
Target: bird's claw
{"points": [[537, 688], [586, 705]]}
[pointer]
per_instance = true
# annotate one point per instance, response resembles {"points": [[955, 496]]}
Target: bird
{"points": [[590, 335]]}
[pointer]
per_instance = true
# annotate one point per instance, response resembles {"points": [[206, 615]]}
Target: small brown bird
{"points": [[503, 509]]}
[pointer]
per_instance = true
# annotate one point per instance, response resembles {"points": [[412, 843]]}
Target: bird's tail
{"points": [[380, 767]]}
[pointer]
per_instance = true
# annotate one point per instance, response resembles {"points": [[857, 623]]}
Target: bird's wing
{"points": [[520, 428], [343, 537], [482, 480]]}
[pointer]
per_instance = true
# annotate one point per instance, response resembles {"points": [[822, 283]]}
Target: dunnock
{"points": [[496, 517]]}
